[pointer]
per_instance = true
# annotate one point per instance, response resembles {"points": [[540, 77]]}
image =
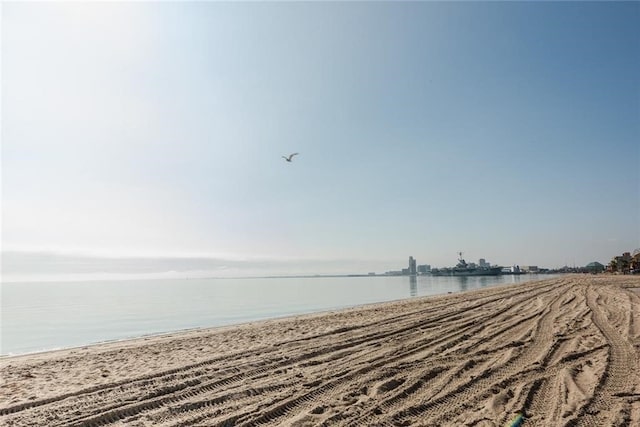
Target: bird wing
{"points": [[293, 154]]}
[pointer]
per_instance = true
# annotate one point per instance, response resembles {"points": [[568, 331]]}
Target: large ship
{"points": [[464, 269]]}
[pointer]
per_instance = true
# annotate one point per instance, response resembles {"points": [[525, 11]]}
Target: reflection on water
{"points": [[413, 286]]}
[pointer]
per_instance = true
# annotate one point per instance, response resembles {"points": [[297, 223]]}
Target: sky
{"points": [[146, 137]]}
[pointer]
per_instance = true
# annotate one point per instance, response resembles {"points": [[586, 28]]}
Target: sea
{"points": [[42, 316]]}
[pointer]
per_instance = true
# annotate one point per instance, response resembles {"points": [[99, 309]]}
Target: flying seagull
{"points": [[288, 159]]}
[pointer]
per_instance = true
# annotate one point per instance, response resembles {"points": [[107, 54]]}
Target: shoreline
{"points": [[562, 350], [181, 332], [237, 323], [140, 339]]}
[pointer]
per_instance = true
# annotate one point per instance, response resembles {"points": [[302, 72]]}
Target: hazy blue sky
{"points": [[509, 131]]}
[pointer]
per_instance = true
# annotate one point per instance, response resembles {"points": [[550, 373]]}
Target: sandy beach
{"points": [[562, 352]]}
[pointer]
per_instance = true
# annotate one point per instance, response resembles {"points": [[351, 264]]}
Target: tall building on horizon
{"points": [[412, 266]]}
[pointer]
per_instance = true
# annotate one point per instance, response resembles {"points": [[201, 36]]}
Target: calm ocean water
{"points": [[52, 315]]}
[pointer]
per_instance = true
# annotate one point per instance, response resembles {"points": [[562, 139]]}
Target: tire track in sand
{"points": [[621, 372]]}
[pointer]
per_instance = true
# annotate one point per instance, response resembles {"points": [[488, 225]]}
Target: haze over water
{"points": [[40, 316]]}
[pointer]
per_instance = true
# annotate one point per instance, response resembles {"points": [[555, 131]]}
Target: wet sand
{"points": [[562, 352]]}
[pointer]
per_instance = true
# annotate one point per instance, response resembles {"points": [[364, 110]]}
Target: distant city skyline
{"points": [[508, 131], [49, 266]]}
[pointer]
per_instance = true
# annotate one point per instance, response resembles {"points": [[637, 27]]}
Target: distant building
{"points": [[412, 266], [424, 269], [483, 263], [625, 264], [405, 271], [529, 268]]}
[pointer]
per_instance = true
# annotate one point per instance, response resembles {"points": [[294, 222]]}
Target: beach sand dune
{"points": [[562, 352]]}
